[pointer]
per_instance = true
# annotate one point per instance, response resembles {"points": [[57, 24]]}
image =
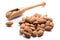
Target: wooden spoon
{"points": [[19, 11]]}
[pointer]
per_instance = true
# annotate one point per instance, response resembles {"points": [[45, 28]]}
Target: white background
{"points": [[52, 8]]}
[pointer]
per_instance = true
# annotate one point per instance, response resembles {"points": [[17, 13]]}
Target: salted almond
{"points": [[22, 26], [50, 19], [51, 24], [26, 28], [37, 15], [21, 22], [42, 25], [47, 23], [32, 28], [9, 23], [27, 24], [48, 28], [42, 21], [27, 35], [40, 33], [21, 31], [34, 33]]}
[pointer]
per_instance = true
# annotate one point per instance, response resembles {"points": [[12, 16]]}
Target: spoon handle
{"points": [[40, 4]]}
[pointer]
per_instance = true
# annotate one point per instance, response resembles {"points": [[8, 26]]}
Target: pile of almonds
{"points": [[35, 25]]}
